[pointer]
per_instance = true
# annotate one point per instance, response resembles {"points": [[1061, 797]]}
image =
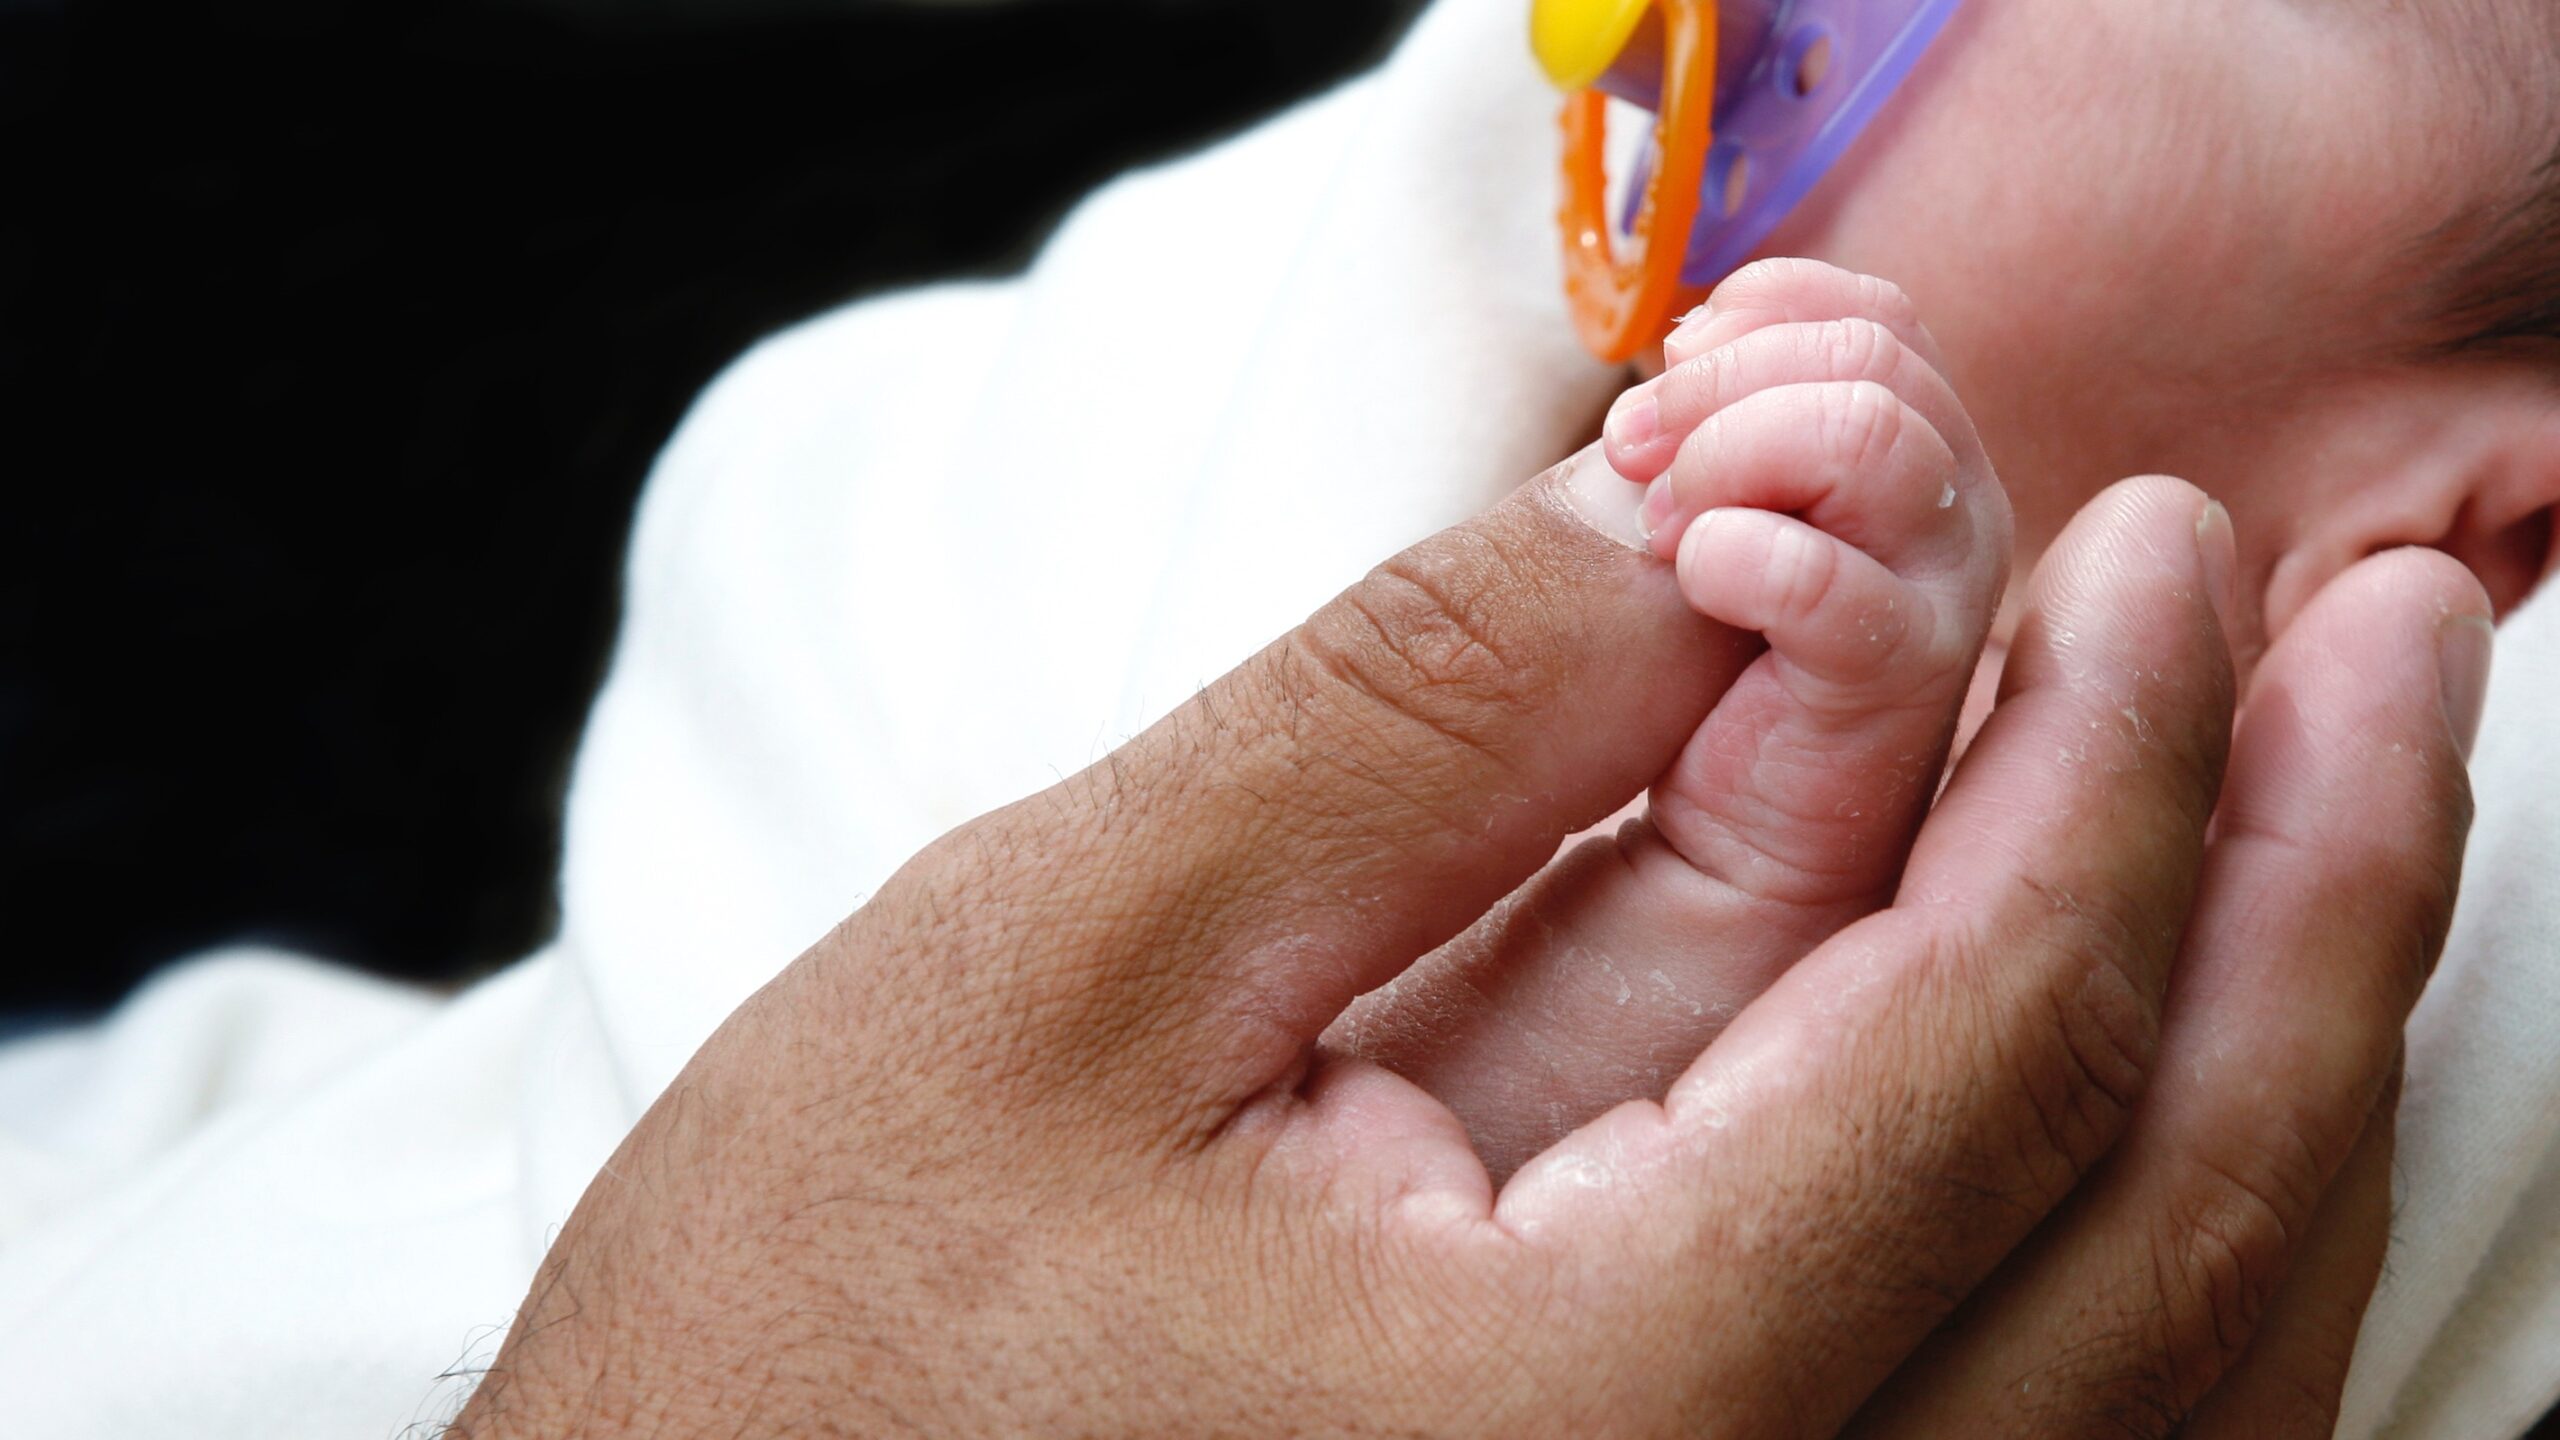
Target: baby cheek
{"points": [[2121, 286]]}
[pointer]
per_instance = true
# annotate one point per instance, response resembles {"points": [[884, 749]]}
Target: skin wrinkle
{"points": [[1331, 667]]}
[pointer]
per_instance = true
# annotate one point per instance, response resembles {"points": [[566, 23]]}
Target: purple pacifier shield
{"points": [[1796, 81]]}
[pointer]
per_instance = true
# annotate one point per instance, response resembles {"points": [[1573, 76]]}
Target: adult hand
{"points": [[1042, 1141]]}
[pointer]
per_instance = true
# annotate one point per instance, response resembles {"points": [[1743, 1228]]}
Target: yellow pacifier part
{"points": [[1576, 40]]}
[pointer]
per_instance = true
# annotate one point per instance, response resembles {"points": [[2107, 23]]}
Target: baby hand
{"points": [[1813, 475], [1816, 481]]}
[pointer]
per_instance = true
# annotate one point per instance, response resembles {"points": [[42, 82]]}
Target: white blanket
{"points": [[917, 558]]}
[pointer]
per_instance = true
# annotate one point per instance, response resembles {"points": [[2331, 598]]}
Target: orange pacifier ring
{"points": [[1622, 303]]}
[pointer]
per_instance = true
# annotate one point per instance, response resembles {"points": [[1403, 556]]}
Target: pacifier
{"points": [[1754, 101]]}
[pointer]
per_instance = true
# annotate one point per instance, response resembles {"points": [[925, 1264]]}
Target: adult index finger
{"points": [[1199, 906]]}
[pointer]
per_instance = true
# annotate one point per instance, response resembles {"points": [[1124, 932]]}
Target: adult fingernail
{"points": [[2463, 647], [1604, 500], [1636, 418], [2218, 555]]}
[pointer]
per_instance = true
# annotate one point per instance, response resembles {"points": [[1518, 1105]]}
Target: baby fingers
{"points": [[1648, 424], [1826, 606], [1850, 457]]}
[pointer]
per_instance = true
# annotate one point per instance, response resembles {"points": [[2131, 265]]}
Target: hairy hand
{"points": [[1042, 1141]]}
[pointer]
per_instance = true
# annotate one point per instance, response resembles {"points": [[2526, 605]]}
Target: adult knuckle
{"points": [[2174, 1321], [981, 1028], [2119, 914], [2190, 1291], [2067, 1049], [1422, 637], [976, 890], [2217, 1259], [1010, 951], [2083, 1078], [2056, 1069]]}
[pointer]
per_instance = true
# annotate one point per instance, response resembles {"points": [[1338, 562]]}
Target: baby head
{"points": [[2305, 253]]}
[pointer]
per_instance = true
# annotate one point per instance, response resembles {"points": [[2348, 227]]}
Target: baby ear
{"points": [[2505, 532], [2459, 458]]}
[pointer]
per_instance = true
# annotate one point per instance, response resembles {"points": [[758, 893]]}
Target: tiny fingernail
{"points": [[1684, 333], [1637, 418], [1696, 536], [2463, 646], [1657, 507], [2218, 552]]}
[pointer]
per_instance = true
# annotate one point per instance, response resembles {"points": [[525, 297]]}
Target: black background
{"points": [[336, 340]]}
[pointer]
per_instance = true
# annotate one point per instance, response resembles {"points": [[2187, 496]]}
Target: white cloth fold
{"points": [[913, 560]]}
